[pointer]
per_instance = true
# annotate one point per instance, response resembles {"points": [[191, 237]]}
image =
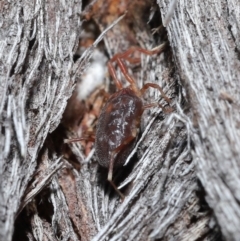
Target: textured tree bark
{"points": [[205, 37], [37, 42], [182, 180]]}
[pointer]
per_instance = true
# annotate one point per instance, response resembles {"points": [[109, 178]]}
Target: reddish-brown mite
{"points": [[119, 121]]}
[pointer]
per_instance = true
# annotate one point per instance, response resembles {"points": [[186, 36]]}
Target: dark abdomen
{"points": [[118, 126]]}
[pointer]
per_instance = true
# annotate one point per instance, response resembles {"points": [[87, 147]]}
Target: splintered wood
{"points": [[61, 189]]}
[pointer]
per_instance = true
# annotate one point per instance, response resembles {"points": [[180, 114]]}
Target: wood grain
{"points": [[182, 182]]}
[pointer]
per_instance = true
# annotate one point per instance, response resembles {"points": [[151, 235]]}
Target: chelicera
{"points": [[118, 125]]}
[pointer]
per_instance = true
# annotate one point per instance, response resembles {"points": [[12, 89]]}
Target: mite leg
{"points": [[165, 110], [128, 77], [123, 68], [101, 92], [111, 163], [156, 86], [91, 139], [125, 55], [110, 174], [112, 72]]}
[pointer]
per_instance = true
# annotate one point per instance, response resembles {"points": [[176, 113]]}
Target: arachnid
{"points": [[119, 121]]}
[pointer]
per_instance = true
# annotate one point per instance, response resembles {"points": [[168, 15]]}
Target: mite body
{"points": [[117, 128], [119, 121]]}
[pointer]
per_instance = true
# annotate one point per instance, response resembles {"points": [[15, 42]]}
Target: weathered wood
{"points": [[204, 36], [37, 41], [199, 140]]}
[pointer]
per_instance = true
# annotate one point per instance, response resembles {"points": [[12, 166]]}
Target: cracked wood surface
{"points": [[205, 37], [199, 141], [37, 41]]}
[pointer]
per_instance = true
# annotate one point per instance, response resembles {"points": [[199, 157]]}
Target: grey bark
{"points": [[37, 42], [205, 39], [199, 140]]}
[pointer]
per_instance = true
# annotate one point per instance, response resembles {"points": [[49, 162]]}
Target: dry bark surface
{"points": [[181, 179]]}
